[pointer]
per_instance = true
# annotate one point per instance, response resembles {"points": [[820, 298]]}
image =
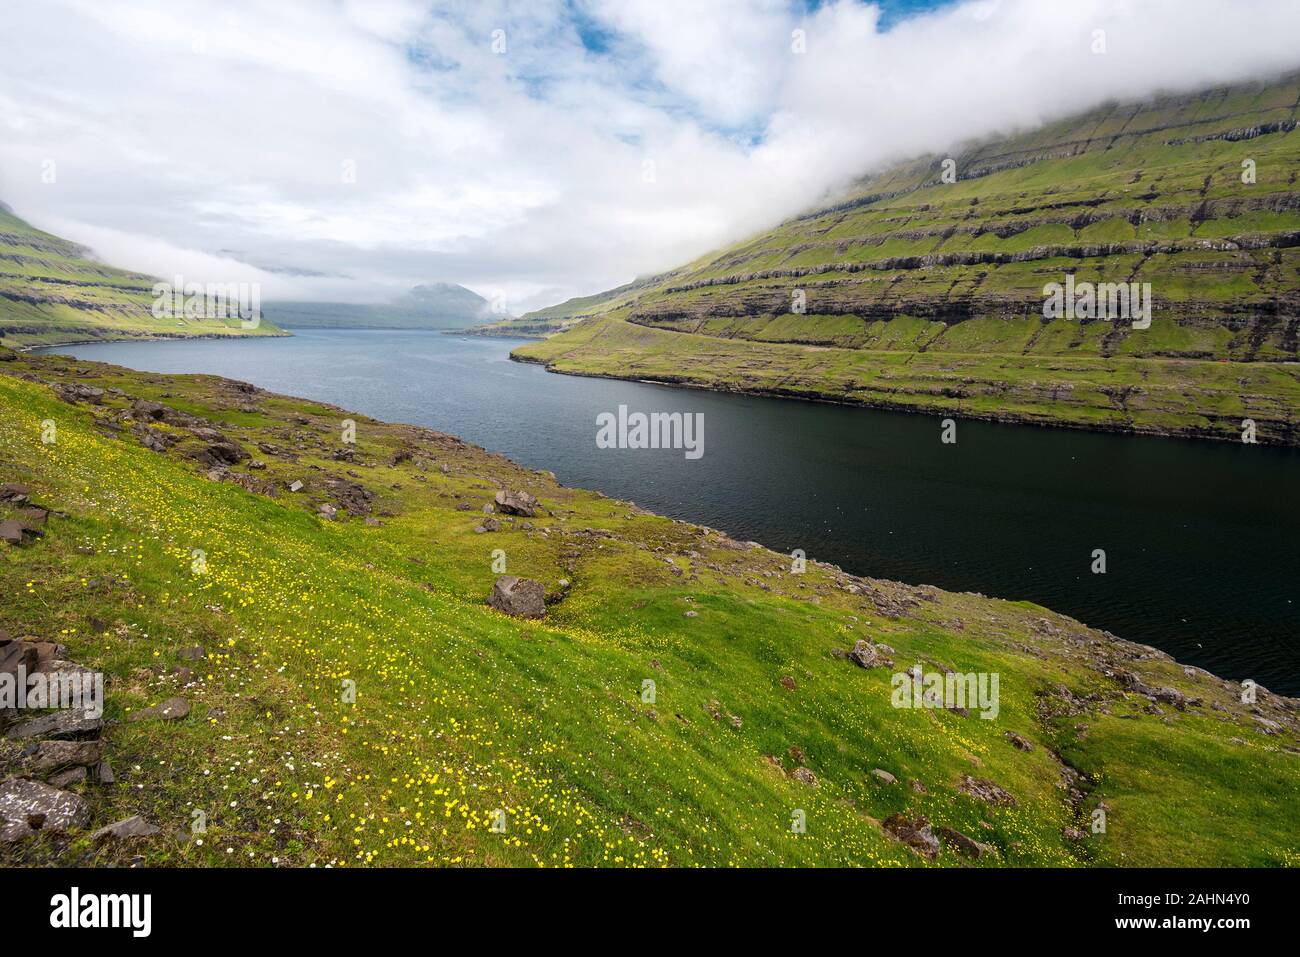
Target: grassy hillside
{"points": [[461, 711], [924, 294], [541, 323], [53, 291]]}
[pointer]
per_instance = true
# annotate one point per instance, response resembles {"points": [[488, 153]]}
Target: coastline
{"points": [[844, 579], [159, 337], [777, 678], [885, 405]]}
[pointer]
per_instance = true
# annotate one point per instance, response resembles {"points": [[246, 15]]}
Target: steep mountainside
{"points": [[920, 293], [296, 640], [436, 305], [53, 291]]}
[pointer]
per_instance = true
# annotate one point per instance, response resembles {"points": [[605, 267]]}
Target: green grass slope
{"points": [[461, 712], [52, 291], [930, 293]]}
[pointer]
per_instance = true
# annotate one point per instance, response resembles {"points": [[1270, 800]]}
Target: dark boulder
{"points": [[521, 597], [916, 833], [516, 503]]}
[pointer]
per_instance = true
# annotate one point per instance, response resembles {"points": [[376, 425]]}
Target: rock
{"points": [[75, 392], [40, 806], [962, 843], [1171, 696], [867, 655], [14, 832], [190, 654], [51, 755], [1267, 725], [173, 709], [985, 791], [216, 454], [787, 683], [521, 597], [916, 833], [48, 654], [327, 511], [884, 776], [691, 614], [14, 492], [144, 409], [105, 773], [11, 531], [57, 724], [919, 787], [296, 486], [65, 778], [134, 826], [1021, 743], [489, 525], [516, 503], [1072, 834], [804, 776], [15, 653], [32, 519]]}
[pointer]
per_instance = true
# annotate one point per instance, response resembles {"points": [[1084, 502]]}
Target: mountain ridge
{"points": [[436, 306], [54, 292], [1193, 194]]}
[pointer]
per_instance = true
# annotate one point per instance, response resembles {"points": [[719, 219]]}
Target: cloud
{"points": [[534, 149]]}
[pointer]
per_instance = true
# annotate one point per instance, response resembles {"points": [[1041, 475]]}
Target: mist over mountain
{"points": [[436, 305]]}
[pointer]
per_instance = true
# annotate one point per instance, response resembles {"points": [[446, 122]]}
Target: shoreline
{"points": [[842, 575], [903, 407], [31, 349], [757, 394]]}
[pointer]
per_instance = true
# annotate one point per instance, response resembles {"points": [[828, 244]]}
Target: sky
{"points": [[540, 149]]}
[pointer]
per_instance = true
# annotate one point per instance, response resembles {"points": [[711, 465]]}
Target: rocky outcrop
{"points": [[30, 806], [916, 833], [520, 597], [516, 503]]}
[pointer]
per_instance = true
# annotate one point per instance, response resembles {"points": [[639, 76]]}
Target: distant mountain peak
{"points": [[431, 305]]}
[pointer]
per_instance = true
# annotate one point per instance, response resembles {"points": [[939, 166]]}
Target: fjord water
{"points": [[1201, 538]]}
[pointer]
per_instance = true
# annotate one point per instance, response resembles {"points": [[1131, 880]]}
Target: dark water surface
{"points": [[1201, 538]]}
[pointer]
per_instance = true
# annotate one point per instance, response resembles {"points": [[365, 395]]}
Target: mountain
{"points": [[686, 700], [436, 305], [53, 291], [541, 323], [917, 293]]}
